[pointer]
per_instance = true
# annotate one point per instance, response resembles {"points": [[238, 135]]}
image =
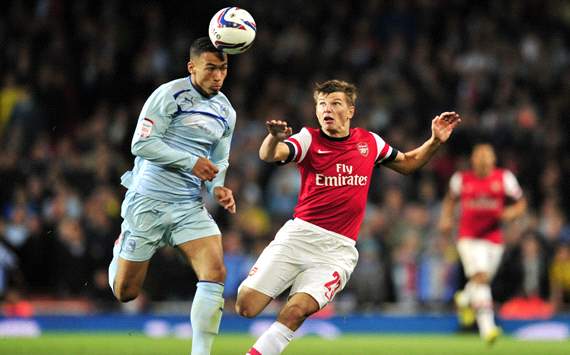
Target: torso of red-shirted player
{"points": [[335, 177], [482, 201]]}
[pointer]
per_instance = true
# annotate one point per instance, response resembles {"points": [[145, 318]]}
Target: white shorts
{"points": [[479, 255], [308, 259]]}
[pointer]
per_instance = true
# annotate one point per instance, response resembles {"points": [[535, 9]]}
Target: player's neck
{"points": [[200, 90], [482, 173]]}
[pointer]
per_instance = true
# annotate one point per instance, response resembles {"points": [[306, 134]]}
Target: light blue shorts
{"points": [[150, 224]]}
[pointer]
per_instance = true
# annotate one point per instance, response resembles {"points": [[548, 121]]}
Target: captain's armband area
{"points": [[389, 158], [290, 156]]}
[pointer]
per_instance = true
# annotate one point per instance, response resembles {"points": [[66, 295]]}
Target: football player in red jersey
{"points": [[482, 193], [315, 253]]}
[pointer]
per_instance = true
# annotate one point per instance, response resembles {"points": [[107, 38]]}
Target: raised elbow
{"points": [[266, 158], [139, 148], [404, 170], [136, 149]]}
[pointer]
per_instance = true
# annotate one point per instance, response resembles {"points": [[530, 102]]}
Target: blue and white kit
{"points": [[163, 205]]}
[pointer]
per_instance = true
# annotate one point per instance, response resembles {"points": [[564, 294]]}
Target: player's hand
{"points": [[279, 129], [225, 198], [205, 169], [443, 124]]}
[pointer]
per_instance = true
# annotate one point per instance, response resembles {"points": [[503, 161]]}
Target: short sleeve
{"points": [[299, 143], [159, 103], [385, 152], [455, 184], [155, 115], [512, 187]]}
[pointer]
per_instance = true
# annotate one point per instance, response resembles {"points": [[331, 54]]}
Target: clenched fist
{"points": [[205, 169], [225, 198]]}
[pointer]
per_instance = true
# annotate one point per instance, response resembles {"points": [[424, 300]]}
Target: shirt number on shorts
{"points": [[332, 286]]}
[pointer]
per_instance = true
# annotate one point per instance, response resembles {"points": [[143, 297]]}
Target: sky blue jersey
{"points": [[176, 126]]}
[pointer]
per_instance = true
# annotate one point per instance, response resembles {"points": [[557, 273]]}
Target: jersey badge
{"points": [[363, 148]]}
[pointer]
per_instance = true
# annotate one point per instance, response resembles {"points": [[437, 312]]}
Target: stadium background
{"points": [[74, 76]]}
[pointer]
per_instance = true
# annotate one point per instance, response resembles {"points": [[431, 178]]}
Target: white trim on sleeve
{"points": [[512, 187], [380, 146], [301, 141], [455, 184]]}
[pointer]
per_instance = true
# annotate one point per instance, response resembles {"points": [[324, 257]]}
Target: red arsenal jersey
{"points": [[335, 176], [483, 201]]}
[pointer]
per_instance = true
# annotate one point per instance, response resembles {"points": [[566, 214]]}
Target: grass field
{"points": [[119, 344]]}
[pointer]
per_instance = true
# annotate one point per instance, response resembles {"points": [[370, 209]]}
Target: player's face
{"points": [[334, 113], [483, 159], [208, 72]]}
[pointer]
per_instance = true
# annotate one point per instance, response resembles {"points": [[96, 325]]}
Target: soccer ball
{"points": [[232, 30]]}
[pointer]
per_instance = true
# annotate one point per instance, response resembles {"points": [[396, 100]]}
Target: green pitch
{"points": [[136, 344]]}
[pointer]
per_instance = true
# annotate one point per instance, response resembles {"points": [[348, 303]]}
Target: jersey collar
{"points": [[334, 139]]}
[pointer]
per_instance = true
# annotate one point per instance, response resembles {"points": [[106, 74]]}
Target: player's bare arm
{"points": [[441, 128], [273, 149], [514, 211], [446, 219], [225, 198]]}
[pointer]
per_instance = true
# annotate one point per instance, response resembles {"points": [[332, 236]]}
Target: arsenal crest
{"points": [[362, 148]]}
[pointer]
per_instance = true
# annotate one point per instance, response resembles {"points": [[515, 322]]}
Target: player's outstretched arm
{"points": [[441, 128], [273, 149]]}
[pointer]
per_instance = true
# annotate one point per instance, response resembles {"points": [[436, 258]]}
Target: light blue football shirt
{"points": [[176, 126]]}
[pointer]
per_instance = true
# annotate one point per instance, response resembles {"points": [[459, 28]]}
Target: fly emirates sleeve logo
{"points": [[343, 177]]}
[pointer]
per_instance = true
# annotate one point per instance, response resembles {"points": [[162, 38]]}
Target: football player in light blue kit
{"points": [[182, 138]]}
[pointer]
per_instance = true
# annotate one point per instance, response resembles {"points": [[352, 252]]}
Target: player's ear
{"points": [[351, 111], [190, 66]]}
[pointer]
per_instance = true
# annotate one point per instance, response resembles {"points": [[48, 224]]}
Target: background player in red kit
{"points": [[482, 193], [314, 254]]}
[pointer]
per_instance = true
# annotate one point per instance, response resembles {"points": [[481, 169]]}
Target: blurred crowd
{"points": [[74, 76]]}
